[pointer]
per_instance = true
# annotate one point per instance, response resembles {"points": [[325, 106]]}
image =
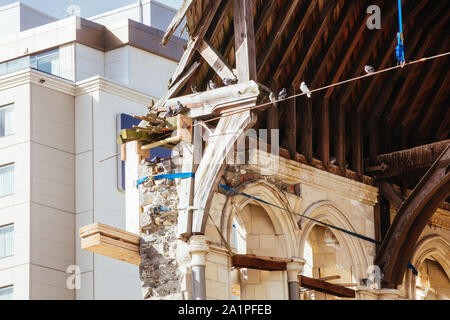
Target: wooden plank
{"points": [[340, 138], [177, 19], [307, 127], [112, 248], [401, 162], [357, 149], [215, 60], [277, 32], [291, 124], [261, 24], [244, 40], [389, 192], [349, 51], [186, 193], [411, 219], [329, 278], [197, 37], [182, 133], [176, 87], [324, 145], [109, 231], [318, 35], [326, 287], [295, 38], [259, 263]]}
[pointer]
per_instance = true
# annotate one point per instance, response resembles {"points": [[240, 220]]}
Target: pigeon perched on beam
{"points": [[169, 113], [369, 69], [194, 89], [282, 94], [179, 108], [305, 89], [212, 85], [228, 81]]}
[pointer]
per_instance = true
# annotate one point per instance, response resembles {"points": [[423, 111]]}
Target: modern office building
{"points": [[64, 87]]}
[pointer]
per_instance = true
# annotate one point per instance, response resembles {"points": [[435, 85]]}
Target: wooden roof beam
{"points": [[325, 18], [348, 52], [244, 40], [294, 38], [177, 19], [386, 59], [336, 34], [197, 37], [412, 75], [215, 60], [276, 33]]}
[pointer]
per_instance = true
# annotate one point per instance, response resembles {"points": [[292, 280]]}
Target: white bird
{"points": [[272, 98], [282, 94], [369, 69], [194, 89], [211, 85], [227, 81], [305, 89]]}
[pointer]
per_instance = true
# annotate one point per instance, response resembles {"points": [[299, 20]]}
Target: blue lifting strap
{"points": [[399, 49]]}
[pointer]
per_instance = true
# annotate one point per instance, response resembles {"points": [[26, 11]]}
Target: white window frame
{"points": [[13, 169], [12, 124], [7, 288], [10, 254]]}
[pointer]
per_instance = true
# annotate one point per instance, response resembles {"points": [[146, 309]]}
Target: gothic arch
{"points": [[283, 222], [327, 212], [432, 245]]}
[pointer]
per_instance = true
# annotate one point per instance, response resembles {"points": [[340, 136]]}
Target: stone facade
{"points": [[264, 230]]}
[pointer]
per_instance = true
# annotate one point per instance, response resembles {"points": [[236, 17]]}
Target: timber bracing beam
{"points": [[411, 219]]}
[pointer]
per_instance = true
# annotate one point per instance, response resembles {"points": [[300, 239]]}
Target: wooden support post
{"points": [[325, 133], [244, 38], [186, 194], [374, 146], [306, 138], [340, 138], [357, 149], [291, 124]]}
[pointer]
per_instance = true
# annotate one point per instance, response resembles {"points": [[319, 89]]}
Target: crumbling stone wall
{"points": [[162, 270]]}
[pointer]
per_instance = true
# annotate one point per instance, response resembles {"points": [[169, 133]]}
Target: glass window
{"points": [[6, 120], [46, 61], [6, 180], [6, 241], [6, 293], [17, 64], [2, 68]]}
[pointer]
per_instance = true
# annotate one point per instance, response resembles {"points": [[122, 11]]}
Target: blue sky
{"points": [[57, 8]]}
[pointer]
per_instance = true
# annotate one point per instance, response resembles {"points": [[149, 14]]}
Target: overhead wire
{"points": [[323, 88]]}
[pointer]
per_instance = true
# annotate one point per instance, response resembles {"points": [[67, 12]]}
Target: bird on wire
{"points": [[305, 89], [282, 94], [272, 98], [212, 85], [369, 69]]}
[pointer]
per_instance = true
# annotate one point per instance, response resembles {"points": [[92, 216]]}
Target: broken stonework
{"points": [[162, 275]]}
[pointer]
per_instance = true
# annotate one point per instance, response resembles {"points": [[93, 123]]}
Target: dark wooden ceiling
{"points": [[326, 41]]}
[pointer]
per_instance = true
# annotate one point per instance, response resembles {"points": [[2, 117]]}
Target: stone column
{"points": [[366, 293], [293, 269], [198, 248], [388, 294]]}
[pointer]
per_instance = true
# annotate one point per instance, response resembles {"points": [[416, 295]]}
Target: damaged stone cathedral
{"points": [[277, 191]]}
